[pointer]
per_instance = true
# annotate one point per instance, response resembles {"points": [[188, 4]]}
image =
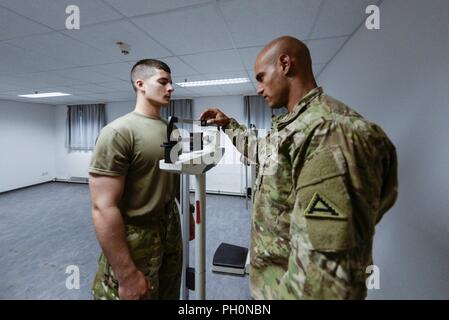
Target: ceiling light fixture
{"points": [[212, 82], [44, 95]]}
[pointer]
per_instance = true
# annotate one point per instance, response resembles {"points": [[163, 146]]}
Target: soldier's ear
{"points": [[139, 85], [285, 63]]}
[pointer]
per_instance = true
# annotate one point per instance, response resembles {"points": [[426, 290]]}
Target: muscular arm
{"points": [[106, 192]]}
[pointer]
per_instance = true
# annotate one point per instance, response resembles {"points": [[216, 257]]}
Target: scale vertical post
{"points": [[192, 163], [200, 235], [185, 210]]}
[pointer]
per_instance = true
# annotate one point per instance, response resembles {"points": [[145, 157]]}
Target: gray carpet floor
{"points": [[46, 228]]}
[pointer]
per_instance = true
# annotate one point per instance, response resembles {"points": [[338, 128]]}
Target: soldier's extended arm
{"points": [[338, 184], [106, 192], [244, 140]]}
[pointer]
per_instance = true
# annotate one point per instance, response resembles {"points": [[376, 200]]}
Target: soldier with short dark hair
{"points": [[134, 213], [326, 176]]}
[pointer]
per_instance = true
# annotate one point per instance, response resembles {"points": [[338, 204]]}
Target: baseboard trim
{"points": [[224, 193]]}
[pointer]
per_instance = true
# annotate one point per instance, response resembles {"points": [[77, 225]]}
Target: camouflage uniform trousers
{"points": [[156, 249]]}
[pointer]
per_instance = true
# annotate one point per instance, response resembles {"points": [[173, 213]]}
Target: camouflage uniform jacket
{"points": [[325, 178]]}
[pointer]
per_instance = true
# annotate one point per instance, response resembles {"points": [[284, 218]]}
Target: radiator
{"points": [[78, 179]]}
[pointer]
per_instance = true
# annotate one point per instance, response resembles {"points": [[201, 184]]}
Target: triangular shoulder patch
{"points": [[320, 207]]}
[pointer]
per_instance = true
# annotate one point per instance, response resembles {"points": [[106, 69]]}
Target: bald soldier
{"points": [[326, 176]]}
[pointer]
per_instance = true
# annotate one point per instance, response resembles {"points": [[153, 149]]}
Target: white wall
{"points": [[26, 144], [229, 175], [398, 77], [225, 178]]}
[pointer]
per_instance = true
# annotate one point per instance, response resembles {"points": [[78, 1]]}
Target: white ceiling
{"points": [[199, 39]]}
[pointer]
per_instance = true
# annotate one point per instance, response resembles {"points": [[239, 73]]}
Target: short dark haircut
{"points": [[145, 68]]}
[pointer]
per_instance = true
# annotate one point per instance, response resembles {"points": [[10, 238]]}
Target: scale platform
{"points": [[230, 259]]}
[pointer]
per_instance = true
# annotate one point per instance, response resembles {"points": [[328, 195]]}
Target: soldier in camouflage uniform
{"points": [[325, 178], [133, 208]]}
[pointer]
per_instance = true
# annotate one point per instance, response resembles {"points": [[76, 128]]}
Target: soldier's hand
{"points": [[215, 116], [134, 287]]}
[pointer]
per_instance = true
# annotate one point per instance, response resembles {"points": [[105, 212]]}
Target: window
{"points": [[84, 123]]}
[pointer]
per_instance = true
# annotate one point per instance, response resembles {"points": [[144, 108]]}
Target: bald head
{"points": [[283, 71], [291, 47]]}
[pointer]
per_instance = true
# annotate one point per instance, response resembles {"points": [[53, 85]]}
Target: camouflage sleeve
{"points": [[338, 180], [244, 140], [389, 190]]}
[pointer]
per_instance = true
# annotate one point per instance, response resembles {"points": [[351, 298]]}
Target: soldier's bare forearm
{"points": [[110, 231]]}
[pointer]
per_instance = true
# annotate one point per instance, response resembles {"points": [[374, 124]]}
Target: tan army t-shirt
{"points": [[131, 146]]}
